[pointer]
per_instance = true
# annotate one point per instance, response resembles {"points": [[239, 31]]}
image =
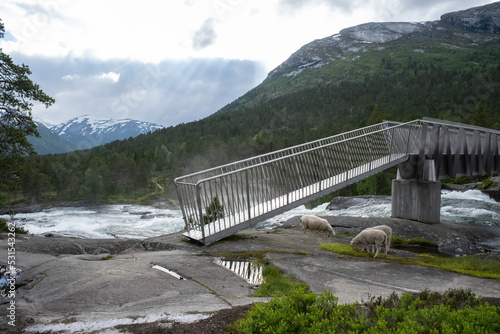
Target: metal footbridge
{"points": [[221, 201]]}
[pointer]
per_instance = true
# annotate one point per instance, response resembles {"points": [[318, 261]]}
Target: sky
{"points": [[176, 61]]}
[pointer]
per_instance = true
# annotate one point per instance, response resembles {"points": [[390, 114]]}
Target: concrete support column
{"points": [[416, 200]]}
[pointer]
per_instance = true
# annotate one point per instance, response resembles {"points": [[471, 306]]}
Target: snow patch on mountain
{"points": [[381, 32], [88, 131], [42, 122]]}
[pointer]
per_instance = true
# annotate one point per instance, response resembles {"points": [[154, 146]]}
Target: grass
{"points": [[275, 283], [416, 245], [344, 250], [401, 242], [468, 265]]}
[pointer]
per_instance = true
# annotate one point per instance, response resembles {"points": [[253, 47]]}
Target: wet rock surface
{"points": [[57, 245], [70, 284]]}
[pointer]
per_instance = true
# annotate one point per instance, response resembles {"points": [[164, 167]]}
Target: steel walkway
{"points": [[221, 201]]}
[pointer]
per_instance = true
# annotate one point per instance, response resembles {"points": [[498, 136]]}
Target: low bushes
{"points": [[4, 227], [456, 311]]}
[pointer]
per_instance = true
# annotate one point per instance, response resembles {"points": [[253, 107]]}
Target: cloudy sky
{"points": [[175, 61]]}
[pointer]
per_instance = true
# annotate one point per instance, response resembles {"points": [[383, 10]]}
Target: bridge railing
{"points": [[455, 150], [220, 201]]}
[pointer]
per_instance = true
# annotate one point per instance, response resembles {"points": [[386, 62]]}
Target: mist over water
{"points": [[139, 222]]}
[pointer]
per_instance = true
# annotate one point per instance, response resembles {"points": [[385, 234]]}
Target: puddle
{"points": [[250, 271]]}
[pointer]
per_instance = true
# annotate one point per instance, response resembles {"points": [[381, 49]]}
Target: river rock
{"points": [[72, 246], [452, 239]]}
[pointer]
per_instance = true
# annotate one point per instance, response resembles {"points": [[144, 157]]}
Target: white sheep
{"points": [[370, 237], [387, 231], [310, 222]]}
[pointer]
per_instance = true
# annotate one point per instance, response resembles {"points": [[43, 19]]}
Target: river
{"points": [[136, 221]]}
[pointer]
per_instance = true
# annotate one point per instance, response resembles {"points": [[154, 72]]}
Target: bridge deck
{"points": [[278, 205]]}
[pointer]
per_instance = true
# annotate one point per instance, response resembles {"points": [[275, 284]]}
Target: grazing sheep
{"points": [[387, 231], [310, 222], [370, 237]]}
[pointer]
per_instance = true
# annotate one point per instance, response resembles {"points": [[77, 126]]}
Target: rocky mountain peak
{"points": [[381, 32], [484, 19], [89, 131], [372, 36]]}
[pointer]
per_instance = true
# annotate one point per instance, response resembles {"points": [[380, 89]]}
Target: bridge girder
{"points": [[446, 150]]}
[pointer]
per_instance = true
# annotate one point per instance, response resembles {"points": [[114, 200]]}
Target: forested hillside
{"points": [[453, 75]]}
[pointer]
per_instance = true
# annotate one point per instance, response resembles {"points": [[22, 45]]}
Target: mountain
{"points": [[446, 69], [90, 131], [86, 132], [49, 142], [358, 52]]}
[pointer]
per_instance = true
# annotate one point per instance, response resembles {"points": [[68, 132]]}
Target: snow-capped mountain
{"points": [[89, 131], [86, 132]]}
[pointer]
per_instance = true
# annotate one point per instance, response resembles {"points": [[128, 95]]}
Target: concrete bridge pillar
{"points": [[417, 199]]}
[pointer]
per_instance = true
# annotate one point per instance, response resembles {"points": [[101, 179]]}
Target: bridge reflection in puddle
{"points": [[249, 270]]}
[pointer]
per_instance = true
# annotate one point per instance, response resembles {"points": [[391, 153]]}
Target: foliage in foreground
{"points": [[5, 228], [17, 94], [455, 311], [469, 265]]}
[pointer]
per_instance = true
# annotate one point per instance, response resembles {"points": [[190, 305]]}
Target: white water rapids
{"points": [[134, 221]]}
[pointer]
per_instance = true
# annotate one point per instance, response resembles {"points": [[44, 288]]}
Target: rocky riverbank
{"points": [[490, 186], [71, 284], [451, 239]]}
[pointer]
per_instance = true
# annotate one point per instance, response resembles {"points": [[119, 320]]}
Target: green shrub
{"points": [[456, 311], [459, 180], [486, 184], [5, 228]]}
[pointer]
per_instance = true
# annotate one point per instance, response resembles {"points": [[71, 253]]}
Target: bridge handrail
{"points": [[275, 152], [295, 154], [457, 126], [388, 126]]}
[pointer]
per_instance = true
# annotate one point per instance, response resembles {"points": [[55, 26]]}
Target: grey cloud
{"points": [[443, 6], [395, 10], [44, 12], [342, 5], [205, 35], [168, 93]]}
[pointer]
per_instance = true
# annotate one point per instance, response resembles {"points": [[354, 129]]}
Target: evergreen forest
{"points": [[396, 84]]}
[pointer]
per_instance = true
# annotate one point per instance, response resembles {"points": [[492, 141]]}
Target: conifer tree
{"points": [[17, 94]]}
